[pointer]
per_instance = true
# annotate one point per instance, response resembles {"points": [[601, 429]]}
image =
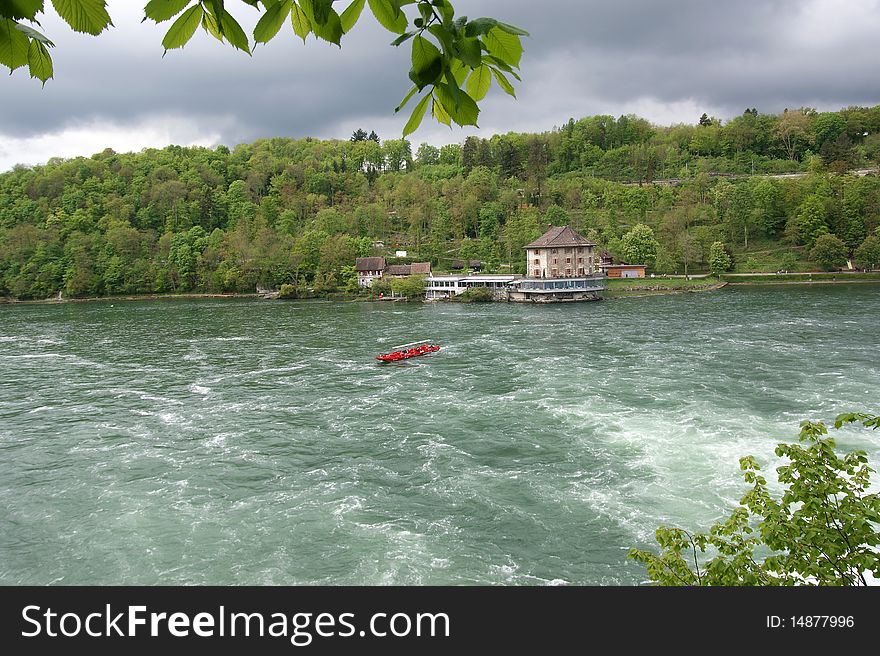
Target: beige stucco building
{"points": [[560, 253]]}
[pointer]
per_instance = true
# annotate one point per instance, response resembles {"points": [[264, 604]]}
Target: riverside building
{"points": [[561, 266]]}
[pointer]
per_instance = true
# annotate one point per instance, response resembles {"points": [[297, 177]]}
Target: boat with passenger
{"points": [[406, 351]]}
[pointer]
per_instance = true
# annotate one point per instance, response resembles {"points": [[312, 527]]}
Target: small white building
{"points": [[437, 287]]}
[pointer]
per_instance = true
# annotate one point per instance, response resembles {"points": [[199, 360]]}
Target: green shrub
{"points": [[475, 295]]}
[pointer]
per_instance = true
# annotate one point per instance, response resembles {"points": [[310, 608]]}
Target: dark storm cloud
{"points": [[667, 60], [285, 88]]}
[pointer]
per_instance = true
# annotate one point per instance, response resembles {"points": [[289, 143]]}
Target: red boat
{"points": [[406, 351]]}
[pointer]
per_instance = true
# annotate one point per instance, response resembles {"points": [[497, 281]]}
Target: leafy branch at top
{"points": [[823, 530], [454, 60]]}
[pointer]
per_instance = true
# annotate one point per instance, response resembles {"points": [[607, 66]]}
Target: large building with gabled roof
{"points": [[560, 253], [561, 265]]}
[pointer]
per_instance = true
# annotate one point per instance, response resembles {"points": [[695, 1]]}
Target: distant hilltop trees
{"points": [[300, 211]]}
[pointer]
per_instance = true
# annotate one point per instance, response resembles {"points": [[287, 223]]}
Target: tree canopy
{"points": [[454, 59], [299, 211]]}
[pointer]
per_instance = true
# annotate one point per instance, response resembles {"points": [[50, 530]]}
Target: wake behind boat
{"points": [[406, 351]]}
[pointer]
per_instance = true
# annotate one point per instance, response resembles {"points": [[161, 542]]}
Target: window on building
{"points": [[555, 260], [553, 251], [537, 274], [568, 260], [568, 272], [555, 273], [537, 261], [580, 260]]}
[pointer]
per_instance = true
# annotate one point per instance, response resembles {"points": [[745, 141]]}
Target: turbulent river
{"points": [[258, 442]]}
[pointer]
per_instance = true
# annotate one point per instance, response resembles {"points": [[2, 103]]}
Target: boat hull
{"points": [[397, 356]]}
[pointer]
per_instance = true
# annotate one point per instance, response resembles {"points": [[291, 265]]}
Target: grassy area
{"points": [[765, 256]]}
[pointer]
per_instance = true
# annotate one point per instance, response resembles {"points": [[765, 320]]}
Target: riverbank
{"points": [[831, 277], [616, 288], [128, 297], [640, 287]]}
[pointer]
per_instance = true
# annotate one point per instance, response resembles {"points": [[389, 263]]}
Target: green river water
{"points": [[258, 442]]}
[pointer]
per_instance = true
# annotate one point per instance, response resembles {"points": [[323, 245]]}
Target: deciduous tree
{"points": [[867, 255], [638, 246], [829, 251], [821, 530], [719, 260]]}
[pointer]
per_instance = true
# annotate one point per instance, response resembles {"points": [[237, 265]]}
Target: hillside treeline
{"points": [[299, 211]]}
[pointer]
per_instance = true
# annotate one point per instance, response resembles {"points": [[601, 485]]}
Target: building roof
{"points": [[625, 266], [421, 268], [399, 269], [369, 264], [561, 236]]}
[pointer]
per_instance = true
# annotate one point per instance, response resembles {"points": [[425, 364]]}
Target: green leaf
{"points": [[512, 29], [389, 16], [39, 61], [163, 10], [332, 30], [350, 16], [183, 28], [417, 115], [503, 45], [453, 86], [89, 16], [503, 82], [465, 112], [469, 51], [320, 10], [444, 36], [478, 83], [13, 45], [440, 113], [209, 23], [31, 33], [459, 72], [234, 32], [424, 53], [427, 62], [270, 22], [403, 102], [501, 65], [403, 38], [301, 25], [20, 9], [446, 10], [331, 27], [214, 7], [479, 26]]}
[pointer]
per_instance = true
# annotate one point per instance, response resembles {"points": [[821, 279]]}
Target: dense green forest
{"points": [[299, 211]]}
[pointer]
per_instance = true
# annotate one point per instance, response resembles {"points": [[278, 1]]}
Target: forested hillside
{"points": [[300, 211]]}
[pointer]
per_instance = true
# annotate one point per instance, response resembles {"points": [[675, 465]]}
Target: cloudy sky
{"points": [[667, 61]]}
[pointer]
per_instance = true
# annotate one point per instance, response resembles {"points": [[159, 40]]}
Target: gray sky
{"points": [[666, 61]]}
